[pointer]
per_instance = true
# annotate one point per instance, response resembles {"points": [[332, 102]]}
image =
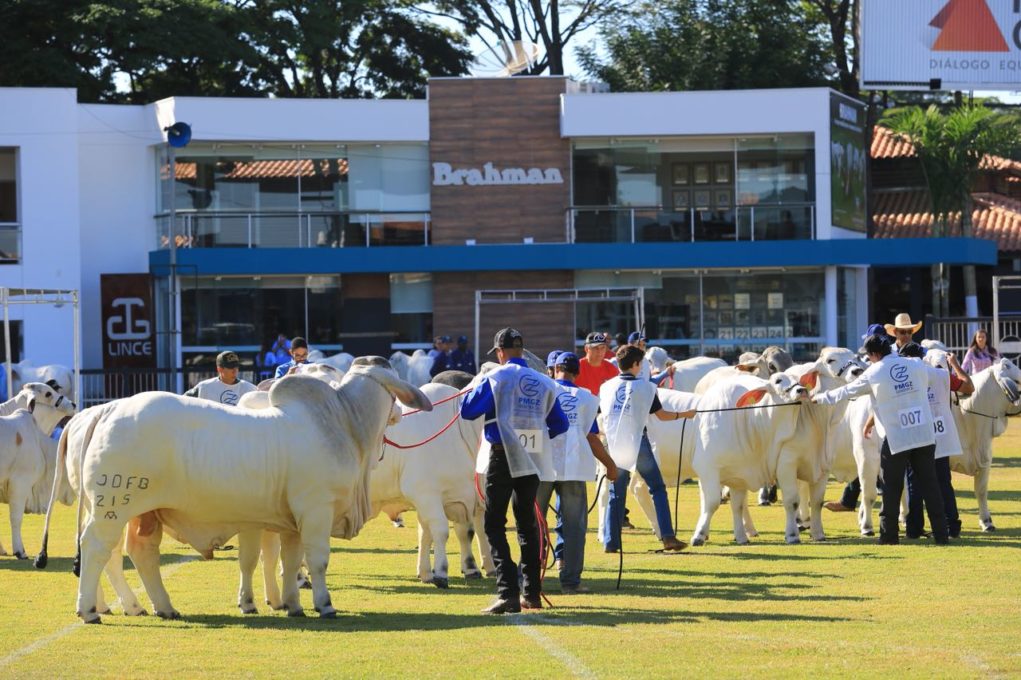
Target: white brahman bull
{"points": [[687, 372], [399, 362], [28, 456], [741, 448], [205, 472], [437, 480], [772, 360], [340, 361], [980, 417], [62, 377], [419, 365]]}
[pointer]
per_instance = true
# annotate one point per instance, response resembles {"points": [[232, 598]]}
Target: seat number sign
{"points": [[911, 417]]}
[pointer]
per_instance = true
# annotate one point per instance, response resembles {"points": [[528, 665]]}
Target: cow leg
{"points": [[805, 515], [432, 517], [270, 557], [315, 538], [816, 495], [738, 504], [787, 479], [868, 473], [99, 537], [115, 574], [469, 567], [16, 502], [640, 491], [485, 552], [709, 492], [985, 519], [425, 541], [749, 525], [144, 536], [248, 560], [290, 557], [2, 551], [603, 499]]}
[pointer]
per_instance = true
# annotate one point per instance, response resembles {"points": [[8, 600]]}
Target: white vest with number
{"points": [[900, 387], [625, 405], [523, 399], [572, 454], [948, 443]]}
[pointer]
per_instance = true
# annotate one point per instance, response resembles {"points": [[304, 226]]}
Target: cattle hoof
{"points": [[94, 620], [441, 582], [276, 607], [296, 613], [870, 532], [742, 542], [21, 555], [698, 540], [490, 573], [753, 534], [105, 611], [989, 528], [141, 612], [793, 539], [472, 575], [802, 527], [330, 613], [172, 615], [398, 523], [304, 584]]}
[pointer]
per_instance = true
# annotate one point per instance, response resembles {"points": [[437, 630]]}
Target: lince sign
{"points": [[445, 174]]}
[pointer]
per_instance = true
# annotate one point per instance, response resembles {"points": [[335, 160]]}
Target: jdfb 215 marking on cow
{"points": [[119, 481]]}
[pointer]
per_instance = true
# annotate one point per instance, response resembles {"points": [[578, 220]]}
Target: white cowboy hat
{"points": [[903, 322]]}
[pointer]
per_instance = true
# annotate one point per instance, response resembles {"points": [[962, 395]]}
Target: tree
{"points": [[709, 44], [840, 18], [951, 148], [552, 25]]}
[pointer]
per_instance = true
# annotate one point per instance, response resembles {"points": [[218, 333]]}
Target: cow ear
{"points": [[54, 384], [750, 397], [809, 379], [1010, 389]]}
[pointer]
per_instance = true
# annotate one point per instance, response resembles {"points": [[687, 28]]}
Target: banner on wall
{"points": [[848, 163], [129, 337], [940, 44]]}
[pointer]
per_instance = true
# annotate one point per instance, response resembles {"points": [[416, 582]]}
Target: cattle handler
{"points": [[226, 387], [520, 408]]}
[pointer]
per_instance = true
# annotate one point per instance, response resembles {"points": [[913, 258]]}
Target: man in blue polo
{"points": [[299, 355], [461, 358], [521, 410]]}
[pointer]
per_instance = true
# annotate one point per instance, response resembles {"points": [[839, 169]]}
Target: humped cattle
{"points": [[203, 472], [57, 375]]}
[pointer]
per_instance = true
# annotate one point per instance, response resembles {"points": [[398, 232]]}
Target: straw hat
{"points": [[903, 322]]}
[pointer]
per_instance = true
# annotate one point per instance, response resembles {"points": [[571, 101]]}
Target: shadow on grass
{"points": [[1006, 462], [63, 564], [412, 621], [994, 495], [378, 551]]}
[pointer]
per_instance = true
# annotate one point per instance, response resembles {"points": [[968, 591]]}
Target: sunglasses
{"points": [[298, 356]]}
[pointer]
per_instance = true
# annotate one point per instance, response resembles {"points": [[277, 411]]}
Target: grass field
{"points": [[838, 608]]}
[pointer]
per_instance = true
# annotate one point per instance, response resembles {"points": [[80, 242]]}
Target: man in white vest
{"points": [[899, 387], [574, 463], [521, 411], [627, 402], [226, 387], [946, 376]]}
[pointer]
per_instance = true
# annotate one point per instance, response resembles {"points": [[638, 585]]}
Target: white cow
{"points": [[28, 456], [26, 372], [399, 362], [741, 448], [437, 480], [341, 361], [980, 417], [687, 372], [204, 472], [419, 366]]}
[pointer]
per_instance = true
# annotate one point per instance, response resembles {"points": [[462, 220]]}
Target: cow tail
{"points": [[76, 566], [58, 476]]}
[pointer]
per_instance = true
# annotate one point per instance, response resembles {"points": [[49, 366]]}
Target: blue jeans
{"points": [[649, 470], [572, 523]]}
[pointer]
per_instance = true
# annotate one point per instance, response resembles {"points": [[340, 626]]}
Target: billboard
{"points": [[940, 44], [848, 162], [129, 339]]}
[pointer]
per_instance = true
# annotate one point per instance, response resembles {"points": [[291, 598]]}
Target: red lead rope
{"points": [[446, 427], [437, 403]]}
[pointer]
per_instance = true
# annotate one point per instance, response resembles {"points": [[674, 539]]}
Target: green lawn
{"points": [[845, 607]]}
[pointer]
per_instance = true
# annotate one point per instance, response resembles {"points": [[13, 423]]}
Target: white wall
{"points": [[118, 180], [42, 124]]}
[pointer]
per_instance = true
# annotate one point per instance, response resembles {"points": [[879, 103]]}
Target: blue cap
{"points": [[461, 339], [444, 338], [635, 337], [551, 358], [874, 329], [570, 362]]}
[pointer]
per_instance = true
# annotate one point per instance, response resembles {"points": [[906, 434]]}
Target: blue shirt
{"points": [[595, 421], [480, 402], [463, 360], [283, 368]]}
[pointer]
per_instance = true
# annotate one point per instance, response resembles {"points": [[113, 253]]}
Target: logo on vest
{"points": [[530, 388], [229, 397], [899, 374], [568, 402]]}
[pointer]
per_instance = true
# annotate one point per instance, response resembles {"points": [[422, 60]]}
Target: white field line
{"points": [[33, 647], [573, 663]]}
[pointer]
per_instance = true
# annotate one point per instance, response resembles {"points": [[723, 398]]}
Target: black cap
{"points": [[595, 338], [570, 362], [227, 360], [508, 338]]}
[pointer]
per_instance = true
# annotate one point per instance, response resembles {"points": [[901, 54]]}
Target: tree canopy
{"points": [[144, 50]]}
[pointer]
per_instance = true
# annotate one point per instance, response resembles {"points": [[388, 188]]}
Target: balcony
{"points": [[351, 229], [782, 222]]}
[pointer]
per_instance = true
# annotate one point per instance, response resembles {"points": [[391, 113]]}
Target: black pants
{"points": [[519, 492], [852, 491], [894, 467], [915, 523]]}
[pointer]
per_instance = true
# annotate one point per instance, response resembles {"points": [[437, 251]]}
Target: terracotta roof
{"points": [[888, 145], [905, 214], [262, 169]]}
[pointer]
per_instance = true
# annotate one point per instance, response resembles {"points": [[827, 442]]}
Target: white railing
{"points": [[956, 333]]}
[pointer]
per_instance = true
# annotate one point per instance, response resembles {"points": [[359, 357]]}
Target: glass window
{"points": [[389, 177], [8, 186]]}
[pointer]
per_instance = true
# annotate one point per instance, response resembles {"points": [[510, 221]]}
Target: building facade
{"points": [[718, 221]]}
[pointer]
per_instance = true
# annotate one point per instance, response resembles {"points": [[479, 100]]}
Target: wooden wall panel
{"points": [[546, 326], [511, 123]]}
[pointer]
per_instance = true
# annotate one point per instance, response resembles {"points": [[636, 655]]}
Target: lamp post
{"points": [[178, 136]]}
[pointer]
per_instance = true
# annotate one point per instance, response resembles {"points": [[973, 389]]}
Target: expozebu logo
{"points": [[444, 174]]}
